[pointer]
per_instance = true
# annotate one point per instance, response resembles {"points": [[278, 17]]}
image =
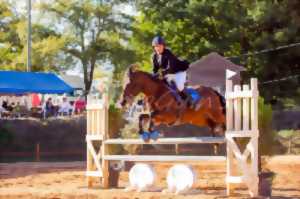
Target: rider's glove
{"points": [[160, 74]]}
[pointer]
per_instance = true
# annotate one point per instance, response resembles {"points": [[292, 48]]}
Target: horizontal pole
{"points": [[94, 173], [234, 179], [162, 158], [95, 106], [94, 137], [188, 140], [242, 133], [241, 94]]}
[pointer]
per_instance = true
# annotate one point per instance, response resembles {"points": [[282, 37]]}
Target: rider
{"points": [[167, 66]]}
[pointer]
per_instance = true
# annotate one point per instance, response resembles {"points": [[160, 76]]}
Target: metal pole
{"points": [[29, 36]]}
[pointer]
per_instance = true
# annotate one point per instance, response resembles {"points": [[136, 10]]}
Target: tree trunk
{"points": [[87, 83], [88, 76]]}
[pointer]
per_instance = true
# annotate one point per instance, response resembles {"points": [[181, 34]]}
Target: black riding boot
{"points": [[186, 98], [183, 95]]}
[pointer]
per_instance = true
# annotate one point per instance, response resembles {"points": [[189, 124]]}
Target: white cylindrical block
{"points": [[141, 176], [180, 178]]}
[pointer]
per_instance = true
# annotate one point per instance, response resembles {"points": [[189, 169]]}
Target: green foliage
{"points": [[290, 140], [230, 27], [9, 41], [286, 133], [94, 32], [91, 33], [130, 130], [266, 134], [46, 46], [5, 137], [115, 123]]}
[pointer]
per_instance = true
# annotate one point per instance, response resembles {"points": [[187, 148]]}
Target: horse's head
{"points": [[133, 86]]}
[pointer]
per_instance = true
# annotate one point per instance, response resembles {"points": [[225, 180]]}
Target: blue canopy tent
{"points": [[14, 82]]}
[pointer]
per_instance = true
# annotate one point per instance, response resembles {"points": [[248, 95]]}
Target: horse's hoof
{"points": [[154, 135], [145, 136]]}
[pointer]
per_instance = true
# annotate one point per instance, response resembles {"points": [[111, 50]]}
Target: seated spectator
{"points": [[65, 108], [79, 105], [16, 110], [11, 107], [5, 105], [3, 112], [48, 108], [8, 107]]}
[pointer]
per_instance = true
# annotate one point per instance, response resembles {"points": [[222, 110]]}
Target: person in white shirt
{"points": [[65, 108]]}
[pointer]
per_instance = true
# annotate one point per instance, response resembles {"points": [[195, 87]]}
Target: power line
{"points": [[271, 50], [281, 79], [266, 50]]}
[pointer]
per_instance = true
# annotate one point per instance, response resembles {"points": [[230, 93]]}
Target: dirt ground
{"points": [[66, 180]]}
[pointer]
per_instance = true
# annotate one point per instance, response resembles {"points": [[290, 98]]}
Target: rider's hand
{"points": [[164, 72], [160, 74]]}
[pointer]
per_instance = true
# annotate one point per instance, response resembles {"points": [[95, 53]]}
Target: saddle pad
{"points": [[195, 95]]}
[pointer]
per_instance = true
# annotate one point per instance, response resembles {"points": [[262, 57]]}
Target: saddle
{"points": [[189, 95]]}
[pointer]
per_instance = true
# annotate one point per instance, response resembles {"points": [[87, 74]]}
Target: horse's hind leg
{"points": [[213, 126]]}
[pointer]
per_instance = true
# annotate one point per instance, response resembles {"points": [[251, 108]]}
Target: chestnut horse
{"points": [[167, 109]]}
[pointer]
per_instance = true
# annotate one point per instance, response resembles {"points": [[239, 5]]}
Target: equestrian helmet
{"points": [[158, 40]]}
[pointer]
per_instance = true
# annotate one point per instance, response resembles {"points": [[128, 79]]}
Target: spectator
{"points": [[3, 112], [17, 110], [11, 107], [49, 108], [79, 105], [5, 105], [65, 108]]}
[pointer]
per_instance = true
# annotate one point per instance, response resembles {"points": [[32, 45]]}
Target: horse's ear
{"points": [[133, 68]]}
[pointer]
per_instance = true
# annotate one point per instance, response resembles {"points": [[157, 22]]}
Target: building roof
{"points": [[210, 70], [74, 81]]}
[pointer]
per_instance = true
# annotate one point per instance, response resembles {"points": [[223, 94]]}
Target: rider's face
{"points": [[159, 48]]}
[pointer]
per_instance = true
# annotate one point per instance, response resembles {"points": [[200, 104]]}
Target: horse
{"points": [[165, 107]]}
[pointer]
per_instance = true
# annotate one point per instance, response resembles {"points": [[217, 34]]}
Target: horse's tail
{"points": [[222, 101]]}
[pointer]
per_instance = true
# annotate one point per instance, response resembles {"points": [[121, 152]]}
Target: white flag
{"points": [[230, 73]]}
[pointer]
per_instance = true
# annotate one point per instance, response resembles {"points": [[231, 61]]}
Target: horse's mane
{"points": [[144, 75], [150, 76]]}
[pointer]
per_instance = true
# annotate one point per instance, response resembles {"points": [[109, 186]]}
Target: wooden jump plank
{"points": [[163, 158], [241, 94], [94, 137], [241, 131], [234, 179], [95, 106], [249, 133], [188, 140], [94, 173]]}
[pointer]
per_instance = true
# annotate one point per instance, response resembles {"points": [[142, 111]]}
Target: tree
{"points": [[46, 46], [9, 41], [93, 30], [194, 28]]}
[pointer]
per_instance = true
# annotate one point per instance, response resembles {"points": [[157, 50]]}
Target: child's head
{"points": [[158, 44]]}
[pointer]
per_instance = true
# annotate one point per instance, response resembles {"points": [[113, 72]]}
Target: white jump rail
{"points": [[188, 140], [163, 158]]}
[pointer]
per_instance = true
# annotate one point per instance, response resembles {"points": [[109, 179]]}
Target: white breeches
{"points": [[178, 78]]}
